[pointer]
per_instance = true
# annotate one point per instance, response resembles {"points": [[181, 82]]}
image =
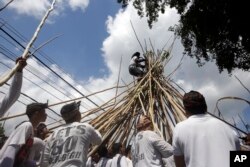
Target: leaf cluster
{"points": [[209, 29]]}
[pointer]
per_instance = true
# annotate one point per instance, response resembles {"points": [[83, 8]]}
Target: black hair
{"points": [[32, 108], [128, 149], [137, 54], [102, 151], [194, 102], [116, 148]]}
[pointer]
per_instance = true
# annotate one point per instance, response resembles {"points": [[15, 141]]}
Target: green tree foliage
{"points": [[209, 29]]}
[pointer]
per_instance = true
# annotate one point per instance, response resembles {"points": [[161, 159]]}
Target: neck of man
{"points": [[34, 122]]}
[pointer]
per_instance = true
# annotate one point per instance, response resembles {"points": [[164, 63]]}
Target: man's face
{"points": [[79, 116], [41, 115], [144, 122], [123, 148]]}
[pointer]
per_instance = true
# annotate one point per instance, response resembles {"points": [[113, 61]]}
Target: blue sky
{"points": [[81, 38], [96, 35]]}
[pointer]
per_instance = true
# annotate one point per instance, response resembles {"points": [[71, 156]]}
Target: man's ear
{"points": [[35, 114]]}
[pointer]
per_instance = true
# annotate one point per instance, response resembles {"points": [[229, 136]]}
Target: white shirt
{"points": [[168, 162], [16, 139], [90, 163], [136, 60], [132, 61], [37, 150], [122, 163], [129, 162], [68, 145], [204, 141], [149, 149], [13, 94], [102, 162]]}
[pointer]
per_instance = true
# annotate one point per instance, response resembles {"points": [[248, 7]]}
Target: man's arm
{"points": [[179, 161], [17, 138], [179, 156], [44, 159], [140, 59], [10, 153], [14, 90], [13, 94], [44, 162], [162, 146], [96, 136]]}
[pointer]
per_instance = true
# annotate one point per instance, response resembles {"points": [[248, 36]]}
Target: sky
{"points": [[94, 37]]}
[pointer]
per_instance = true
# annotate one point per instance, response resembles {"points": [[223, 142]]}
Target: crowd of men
{"points": [[200, 140]]}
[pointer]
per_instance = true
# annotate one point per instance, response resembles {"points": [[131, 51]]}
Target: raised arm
{"points": [[14, 90]]}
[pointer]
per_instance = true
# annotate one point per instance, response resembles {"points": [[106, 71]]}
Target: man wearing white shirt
{"points": [[17, 149], [149, 148], [118, 160], [104, 161], [68, 145], [202, 140]]}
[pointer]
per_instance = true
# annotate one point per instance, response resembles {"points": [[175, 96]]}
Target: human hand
{"points": [[22, 63]]}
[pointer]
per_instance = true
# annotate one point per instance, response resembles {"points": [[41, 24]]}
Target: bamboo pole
{"points": [[25, 54]]}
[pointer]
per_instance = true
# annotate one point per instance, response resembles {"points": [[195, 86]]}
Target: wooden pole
{"points": [[25, 54]]}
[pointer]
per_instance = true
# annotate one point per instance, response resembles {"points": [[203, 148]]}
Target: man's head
{"points": [[128, 151], [116, 148], [36, 112], [41, 130], [194, 103], [70, 112], [137, 54], [144, 123], [103, 151]]}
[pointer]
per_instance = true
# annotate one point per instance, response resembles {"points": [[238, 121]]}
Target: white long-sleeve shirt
{"points": [[37, 150], [13, 94], [136, 60], [104, 161], [149, 149], [119, 163], [90, 162]]}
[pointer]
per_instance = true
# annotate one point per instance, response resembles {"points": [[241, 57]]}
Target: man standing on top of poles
{"points": [[136, 68]]}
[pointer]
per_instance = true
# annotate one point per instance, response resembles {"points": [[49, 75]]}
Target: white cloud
{"points": [[38, 8], [29, 7], [121, 43], [75, 4], [214, 85]]}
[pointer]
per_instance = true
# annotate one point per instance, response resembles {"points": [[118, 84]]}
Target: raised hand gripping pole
{"points": [[25, 54]]}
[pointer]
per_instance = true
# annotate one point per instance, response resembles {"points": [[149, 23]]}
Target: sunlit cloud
{"points": [[38, 8]]}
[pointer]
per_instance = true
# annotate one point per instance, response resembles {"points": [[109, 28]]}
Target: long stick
{"points": [[25, 54], [227, 123], [242, 84]]}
